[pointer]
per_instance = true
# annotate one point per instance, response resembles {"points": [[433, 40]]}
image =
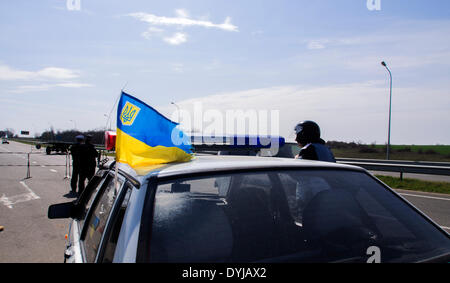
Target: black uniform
{"points": [[77, 150], [317, 151], [89, 160], [313, 147]]}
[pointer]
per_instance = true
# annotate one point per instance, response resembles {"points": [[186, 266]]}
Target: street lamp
{"points": [[74, 123], [390, 103], [107, 120], [178, 111]]}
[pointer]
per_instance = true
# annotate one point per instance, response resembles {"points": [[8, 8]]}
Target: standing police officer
{"points": [[90, 159], [77, 152], [312, 146]]}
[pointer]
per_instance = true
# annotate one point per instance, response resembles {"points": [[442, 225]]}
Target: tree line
{"points": [[98, 136], [8, 133]]}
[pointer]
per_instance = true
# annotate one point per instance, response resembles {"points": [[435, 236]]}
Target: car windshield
{"points": [[288, 216]]}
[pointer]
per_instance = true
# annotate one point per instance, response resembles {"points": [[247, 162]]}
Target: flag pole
{"points": [[116, 169]]}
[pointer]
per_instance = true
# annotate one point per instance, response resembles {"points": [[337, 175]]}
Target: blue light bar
{"points": [[239, 141]]}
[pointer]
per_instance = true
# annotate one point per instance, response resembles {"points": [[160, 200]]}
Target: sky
{"points": [[63, 64]]}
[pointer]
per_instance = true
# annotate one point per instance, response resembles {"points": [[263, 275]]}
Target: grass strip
{"points": [[415, 184]]}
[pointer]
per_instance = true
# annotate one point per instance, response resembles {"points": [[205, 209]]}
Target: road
{"points": [[435, 206], [29, 236]]}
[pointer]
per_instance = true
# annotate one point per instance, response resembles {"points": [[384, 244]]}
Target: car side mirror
{"points": [[61, 210]]}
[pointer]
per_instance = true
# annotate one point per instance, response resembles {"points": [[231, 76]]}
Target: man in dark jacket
{"points": [[90, 161], [312, 146], [77, 152]]}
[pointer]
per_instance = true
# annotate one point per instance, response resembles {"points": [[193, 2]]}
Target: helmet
{"points": [[79, 138], [307, 131]]}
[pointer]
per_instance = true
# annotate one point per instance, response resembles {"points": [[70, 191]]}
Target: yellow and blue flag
{"points": [[146, 138]]}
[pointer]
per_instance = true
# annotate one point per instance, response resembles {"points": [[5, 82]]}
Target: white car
{"points": [[247, 209]]}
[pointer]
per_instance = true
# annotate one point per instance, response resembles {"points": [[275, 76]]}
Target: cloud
{"points": [[57, 73], [8, 73], [182, 21], [45, 87], [152, 31], [312, 45], [177, 39], [73, 85], [419, 33], [345, 112], [182, 13], [49, 77]]}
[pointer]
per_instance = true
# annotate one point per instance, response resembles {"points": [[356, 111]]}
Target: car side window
{"points": [[213, 219], [88, 195], [115, 225], [96, 221]]}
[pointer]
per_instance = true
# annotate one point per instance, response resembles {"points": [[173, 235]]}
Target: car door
{"points": [[82, 205], [98, 217]]}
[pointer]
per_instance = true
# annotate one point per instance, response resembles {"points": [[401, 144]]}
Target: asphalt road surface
{"points": [[29, 236]]}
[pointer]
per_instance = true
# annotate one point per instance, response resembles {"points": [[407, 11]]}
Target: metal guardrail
{"points": [[401, 162], [428, 168], [289, 150]]}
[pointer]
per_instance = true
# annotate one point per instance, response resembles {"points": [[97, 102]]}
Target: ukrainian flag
{"points": [[146, 138]]}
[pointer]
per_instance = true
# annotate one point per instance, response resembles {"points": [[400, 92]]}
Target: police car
{"points": [[223, 208]]}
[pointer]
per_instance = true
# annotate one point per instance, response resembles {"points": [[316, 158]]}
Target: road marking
{"points": [[10, 201], [35, 196], [5, 150], [53, 170], [421, 196]]}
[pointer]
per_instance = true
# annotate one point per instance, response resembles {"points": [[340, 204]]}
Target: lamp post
{"points": [[107, 120], [74, 123], [178, 110], [390, 103]]}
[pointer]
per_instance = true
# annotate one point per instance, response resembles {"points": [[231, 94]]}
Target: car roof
{"points": [[220, 163]]}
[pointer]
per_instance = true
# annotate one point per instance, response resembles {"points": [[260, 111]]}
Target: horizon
{"points": [[59, 131]]}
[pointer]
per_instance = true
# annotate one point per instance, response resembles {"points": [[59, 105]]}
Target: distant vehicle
{"points": [[4, 140], [60, 146], [57, 146], [247, 209]]}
